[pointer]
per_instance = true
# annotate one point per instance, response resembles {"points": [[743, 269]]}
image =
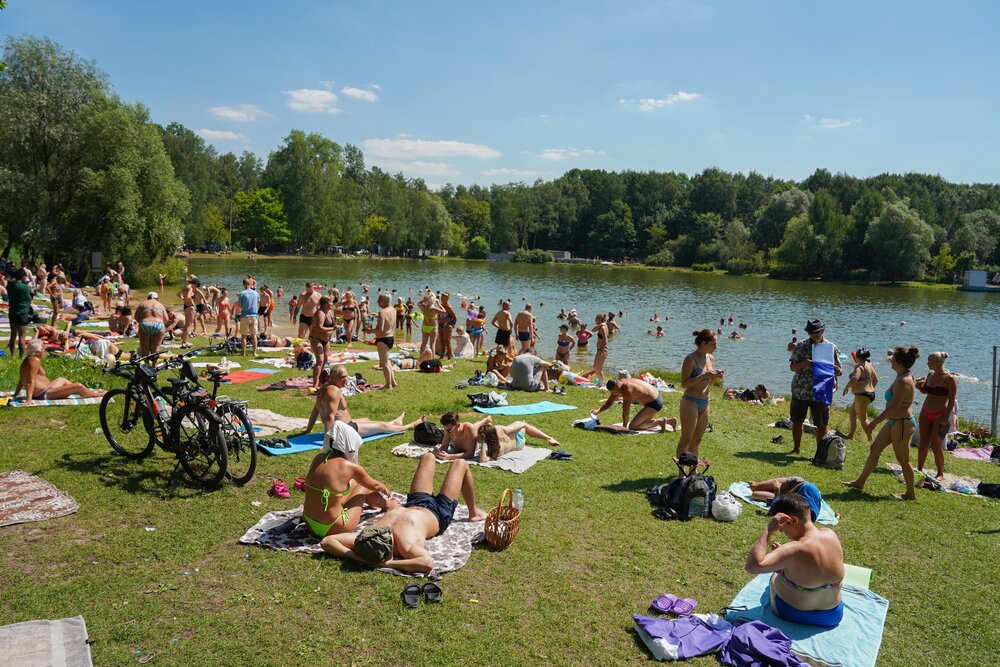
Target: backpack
{"points": [[687, 496], [427, 433], [831, 452], [430, 366]]}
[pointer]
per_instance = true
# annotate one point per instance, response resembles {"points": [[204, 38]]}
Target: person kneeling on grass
{"points": [[398, 539], [808, 569], [36, 384], [629, 391]]}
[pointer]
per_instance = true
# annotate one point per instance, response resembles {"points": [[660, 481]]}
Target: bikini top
{"points": [[936, 390], [865, 377], [326, 493], [564, 343], [888, 396], [806, 589], [698, 370]]}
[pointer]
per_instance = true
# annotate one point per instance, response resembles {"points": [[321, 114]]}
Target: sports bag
{"points": [[831, 452], [687, 496], [427, 433]]}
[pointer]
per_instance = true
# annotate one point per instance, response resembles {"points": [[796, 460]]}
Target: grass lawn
{"points": [[588, 556]]}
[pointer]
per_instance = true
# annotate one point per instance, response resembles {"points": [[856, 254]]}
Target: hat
{"points": [[342, 438], [812, 326], [374, 544], [154, 295]]}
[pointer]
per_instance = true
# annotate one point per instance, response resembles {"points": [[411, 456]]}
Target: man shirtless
{"points": [[265, 307], [55, 292], [460, 439], [37, 385], [524, 328], [504, 324], [630, 390], [385, 328], [186, 295], [331, 406], [308, 305], [491, 441], [398, 539]]}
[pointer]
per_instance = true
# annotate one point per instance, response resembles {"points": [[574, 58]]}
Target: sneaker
{"points": [[279, 489]]}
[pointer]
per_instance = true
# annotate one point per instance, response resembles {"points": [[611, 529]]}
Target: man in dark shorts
{"points": [[398, 539], [504, 324], [803, 397], [629, 391], [19, 296]]}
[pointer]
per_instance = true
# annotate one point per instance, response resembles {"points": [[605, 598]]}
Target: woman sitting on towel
{"points": [[337, 488], [808, 569]]}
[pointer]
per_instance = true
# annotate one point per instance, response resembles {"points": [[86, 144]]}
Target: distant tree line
{"points": [[80, 170]]}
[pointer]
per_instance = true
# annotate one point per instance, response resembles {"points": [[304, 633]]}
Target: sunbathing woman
{"points": [[808, 569], [940, 388], [862, 381], [498, 365], [772, 489], [697, 373], [564, 345], [322, 327], [152, 318], [495, 441], [336, 487], [900, 422]]}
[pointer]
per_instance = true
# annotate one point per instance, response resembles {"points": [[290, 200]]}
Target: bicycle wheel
{"points": [[240, 443], [199, 444], [127, 422]]}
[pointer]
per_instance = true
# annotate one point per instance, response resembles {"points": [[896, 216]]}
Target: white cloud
{"points": [[240, 113], [807, 117], [406, 149], [419, 168], [558, 154], [360, 94], [374, 86], [312, 100], [504, 172], [221, 135], [836, 123], [650, 103]]}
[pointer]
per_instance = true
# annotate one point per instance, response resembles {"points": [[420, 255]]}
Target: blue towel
{"points": [[311, 441], [824, 372], [529, 409], [742, 491], [268, 371], [855, 641]]}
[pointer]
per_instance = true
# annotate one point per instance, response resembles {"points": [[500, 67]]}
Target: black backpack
{"points": [[427, 433], [831, 452], [687, 496]]}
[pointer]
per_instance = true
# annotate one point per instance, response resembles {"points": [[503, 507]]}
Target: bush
{"points": [[742, 265], [149, 275], [703, 267], [478, 248], [536, 256], [662, 258]]}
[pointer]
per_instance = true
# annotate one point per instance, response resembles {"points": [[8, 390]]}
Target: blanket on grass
{"points": [[6, 399], [516, 461], [528, 409], [25, 498], [269, 422], [61, 643], [965, 486], [286, 531], [288, 383], [592, 423], [974, 453], [854, 642], [249, 375], [742, 491]]}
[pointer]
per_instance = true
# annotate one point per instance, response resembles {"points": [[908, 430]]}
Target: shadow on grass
{"points": [[131, 476], [857, 494], [774, 458], [635, 485]]}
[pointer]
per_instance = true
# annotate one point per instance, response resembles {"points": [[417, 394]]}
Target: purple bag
{"points": [[757, 644]]}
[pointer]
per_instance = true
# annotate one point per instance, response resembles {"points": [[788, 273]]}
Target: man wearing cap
{"points": [[398, 539], [804, 397]]}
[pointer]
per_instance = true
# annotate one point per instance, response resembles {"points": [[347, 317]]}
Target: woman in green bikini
{"points": [[336, 487], [899, 422]]}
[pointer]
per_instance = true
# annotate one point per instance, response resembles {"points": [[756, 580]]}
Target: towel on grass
{"points": [[517, 461], [46, 643], [528, 409], [592, 423], [6, 399], [25, 497], [975, 453], [265, 348], [310, 442], [288, 383], [742, 491], [277, 362], [250, 375], [286, 531], [854, 642], [206, 364], [271, 422], [965, 486]]}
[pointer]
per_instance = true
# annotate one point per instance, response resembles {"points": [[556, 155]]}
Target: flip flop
{"points": [[279, 489], [684, 607], [432, 592], [411, 596], [664, 603], [300, 484]]}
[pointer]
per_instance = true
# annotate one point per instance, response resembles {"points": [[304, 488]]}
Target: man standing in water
{"points": [[524, 327], [804, 397], [308, 304]]}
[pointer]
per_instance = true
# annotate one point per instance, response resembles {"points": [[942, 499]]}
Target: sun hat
{"points": [[374, 544], [812, 326], [342, 438]]}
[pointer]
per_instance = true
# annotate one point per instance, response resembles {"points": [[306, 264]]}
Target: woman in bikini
{"points": [[152, 318], [497, 440], [222, 318], [899, 422], [477, 331], [564, 345], [862, 381], [698, 372], [186, 295], [323, 325], [429, 309], [348, 309], [336, 488], [446, 326], [940, 389], [601, 354]]}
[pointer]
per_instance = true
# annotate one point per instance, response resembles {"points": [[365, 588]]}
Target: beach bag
{"points": [[995, 453], [687, 496], [502, 522], [725, 507], [989, 490], [831, 452], [427, 433], [699, 493]]}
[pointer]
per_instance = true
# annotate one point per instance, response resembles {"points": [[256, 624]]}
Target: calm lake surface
{"points": [[964, 324]]}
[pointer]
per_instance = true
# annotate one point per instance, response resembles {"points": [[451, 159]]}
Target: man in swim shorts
{"points": [[803, 397], [524, 328], [631, 390], [504, 324], [308, 305], [398, 539], [331, 406]]}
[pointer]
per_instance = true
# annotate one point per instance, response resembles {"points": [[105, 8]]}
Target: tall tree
{"points": [[900, 242], [261, 220]]}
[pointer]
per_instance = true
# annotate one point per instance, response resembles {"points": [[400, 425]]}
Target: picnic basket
{"points": [[502, 522]]}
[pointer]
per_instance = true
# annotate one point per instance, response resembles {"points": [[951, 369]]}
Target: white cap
{"points": [[342, 438]]}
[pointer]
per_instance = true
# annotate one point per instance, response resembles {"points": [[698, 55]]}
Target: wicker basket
{"points": [[502, 522]]}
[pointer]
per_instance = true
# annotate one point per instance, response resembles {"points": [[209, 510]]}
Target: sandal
{"points": [[411, 596], [431, 591], [279, 488], [684, 607], [664, 603], [300, 484]]}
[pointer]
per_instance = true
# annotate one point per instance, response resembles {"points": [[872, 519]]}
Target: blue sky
{"points": [[476, 93]]}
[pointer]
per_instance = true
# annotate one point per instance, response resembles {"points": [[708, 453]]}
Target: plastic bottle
{"points": [[697, 508], [518, 500], [161, 408]]}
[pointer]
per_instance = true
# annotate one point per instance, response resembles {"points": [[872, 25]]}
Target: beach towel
{"points": [[266, 422], [288, 383], [682, 638], [277, 362], [6, 399], [285, 531], [974, 453], [25, 498], [528, 409], [61, 643], [824, 372], [239, 377], [206, 364], [265, 348], [854, 642], [516, 462], [742, 491], [312, 441]]}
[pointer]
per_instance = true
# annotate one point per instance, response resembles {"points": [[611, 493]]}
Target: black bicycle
{"points": [[237, 429], [177, 418]]}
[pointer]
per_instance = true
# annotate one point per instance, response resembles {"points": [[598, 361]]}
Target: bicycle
{"points": [[237, 429], [190, 429]]}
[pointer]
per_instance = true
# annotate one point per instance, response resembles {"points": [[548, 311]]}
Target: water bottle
{"points": [[697, 508], [518, 500], [161, 408]]}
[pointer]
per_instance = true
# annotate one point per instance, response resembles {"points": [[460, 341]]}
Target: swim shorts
{"points": [[820, 412], [303, 319], [656, 403], [441, 506], [524, 336], [389, 341], [503, 337], [199, 308]]}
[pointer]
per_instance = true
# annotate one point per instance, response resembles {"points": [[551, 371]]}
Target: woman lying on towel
{"points": [[336, 487], [36, 384], [808, 569]]}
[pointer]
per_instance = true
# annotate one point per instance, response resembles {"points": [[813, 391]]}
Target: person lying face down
{"points": [[399, 538], [808, 569]]}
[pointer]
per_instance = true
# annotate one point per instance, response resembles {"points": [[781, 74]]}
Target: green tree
{"points": [[260, 218], [899, 242], [713, 191], [195, 166], [833, 227], [942, 265], [373, 230], [478, 248], [799, 249], [769, 229], [615, 234]]}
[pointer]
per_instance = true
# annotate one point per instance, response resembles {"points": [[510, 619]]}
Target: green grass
{"points": [[588, 556]]}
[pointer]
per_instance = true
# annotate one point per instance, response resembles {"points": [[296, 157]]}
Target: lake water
{"points": [[964, 324]]}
